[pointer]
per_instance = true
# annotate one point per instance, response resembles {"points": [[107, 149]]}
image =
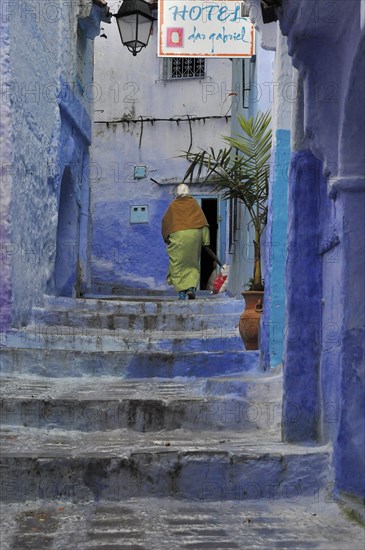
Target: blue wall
{"points": [[72, 194], [324, 375], [303, 304], [6, 181], [324, 372], [47, 130], [349, 448], [132, 255], [273, 319]]}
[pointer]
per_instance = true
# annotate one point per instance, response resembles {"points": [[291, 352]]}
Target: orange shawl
{"points": [[183, 213]]}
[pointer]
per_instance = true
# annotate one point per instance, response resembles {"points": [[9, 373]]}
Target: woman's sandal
{"points": [[191, 293]]}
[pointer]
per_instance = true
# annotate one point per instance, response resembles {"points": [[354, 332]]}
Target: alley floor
{"points": [[142, 423], [163, 524]]}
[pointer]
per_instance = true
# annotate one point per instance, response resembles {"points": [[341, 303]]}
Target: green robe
{"points": [[184, 248]]}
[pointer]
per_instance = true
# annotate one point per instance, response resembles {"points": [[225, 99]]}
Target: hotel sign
{"points": [[190, 28]]}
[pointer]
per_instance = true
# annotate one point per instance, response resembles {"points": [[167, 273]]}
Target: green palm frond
{"points": [[240, 170]]}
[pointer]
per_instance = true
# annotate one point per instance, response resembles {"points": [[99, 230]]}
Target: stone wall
{"points": [[131, 89], [6, 147], [324, 372], [324, 378], [273, 324], [39, 58]]}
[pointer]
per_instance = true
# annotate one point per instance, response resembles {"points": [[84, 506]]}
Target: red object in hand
{"points": [[218, 282]]}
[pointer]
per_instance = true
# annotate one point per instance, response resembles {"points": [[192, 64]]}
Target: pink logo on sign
{"points": [[175, 37]]}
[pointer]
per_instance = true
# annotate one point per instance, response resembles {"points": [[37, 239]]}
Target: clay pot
{"points": [[249, 325]]}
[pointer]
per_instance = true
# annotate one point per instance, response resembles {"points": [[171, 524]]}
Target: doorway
{"points": [[67, 247], [210, 209]]}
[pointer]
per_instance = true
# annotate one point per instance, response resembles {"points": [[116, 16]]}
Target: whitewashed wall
{"points": [[132, 87]]}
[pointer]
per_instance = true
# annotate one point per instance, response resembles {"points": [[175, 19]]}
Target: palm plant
{"points": [[240, 171]]}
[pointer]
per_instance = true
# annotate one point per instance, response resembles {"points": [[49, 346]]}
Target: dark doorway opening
{"points": [[210, 209]]}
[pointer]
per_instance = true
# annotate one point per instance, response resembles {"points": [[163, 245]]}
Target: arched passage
{"points": [[67, 247]]}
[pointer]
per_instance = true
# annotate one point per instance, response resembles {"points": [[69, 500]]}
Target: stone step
{"points": [[99, 288], [116, 289], [43, 360], [38, 463], [90, 339], [183, 320], [267, 387], [140, 305], [108, 404], [309, 522]]}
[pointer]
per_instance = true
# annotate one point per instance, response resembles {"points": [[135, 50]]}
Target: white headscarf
{"points": [[182, 190]]}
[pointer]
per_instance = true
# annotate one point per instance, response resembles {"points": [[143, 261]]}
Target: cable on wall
{"points": [[152, 120], [141, 119], [191, 134], [141, 134]]}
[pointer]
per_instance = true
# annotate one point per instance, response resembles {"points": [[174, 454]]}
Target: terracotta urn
{"points": [[249, 325]]}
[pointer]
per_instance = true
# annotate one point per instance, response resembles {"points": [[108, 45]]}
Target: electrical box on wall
{"points": [[140, 172], [139, 213]]}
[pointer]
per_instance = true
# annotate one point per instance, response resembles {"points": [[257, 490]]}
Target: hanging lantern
{"points": [[135, 22]]}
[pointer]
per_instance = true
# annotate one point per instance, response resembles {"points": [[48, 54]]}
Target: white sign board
{"points": [[191, 28]]}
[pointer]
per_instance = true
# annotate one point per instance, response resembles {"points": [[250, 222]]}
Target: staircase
{"points": [[117, 408]]}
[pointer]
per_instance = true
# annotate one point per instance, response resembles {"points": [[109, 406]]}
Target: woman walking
{"points": [[185, 230]]}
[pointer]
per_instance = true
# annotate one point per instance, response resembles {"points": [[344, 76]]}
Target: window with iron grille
{"points": [[183, 67]]}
